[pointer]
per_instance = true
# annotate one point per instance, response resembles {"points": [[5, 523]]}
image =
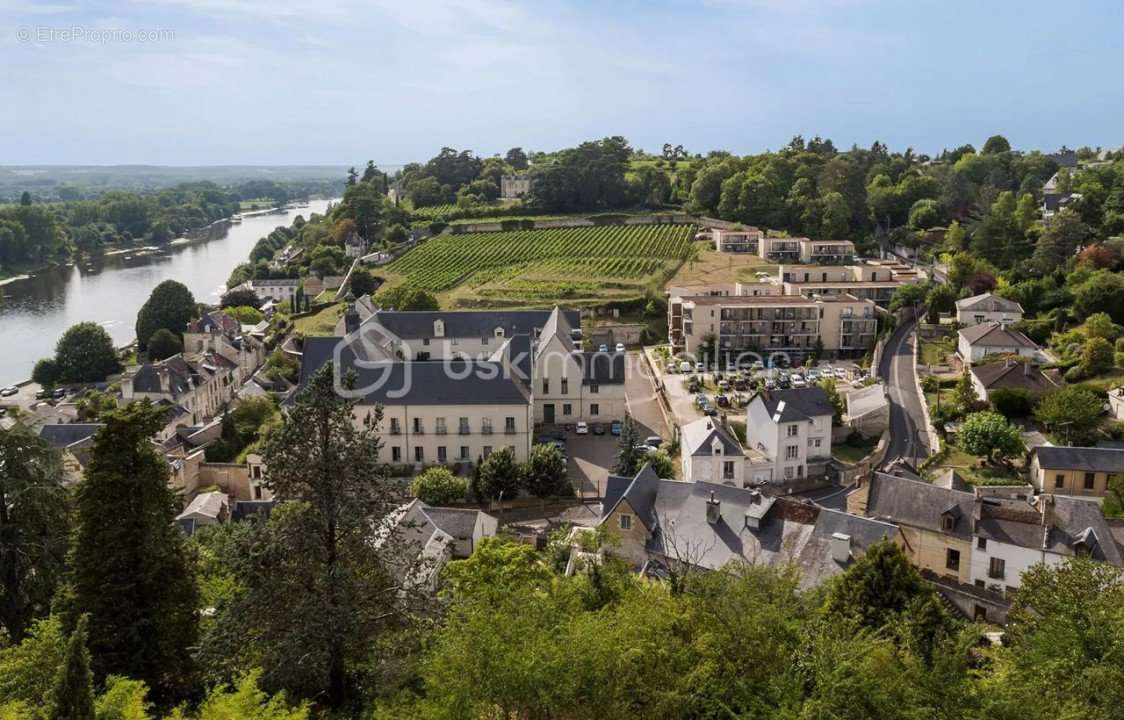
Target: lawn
{"points": [[322, 322], [711, 266], [934, 352], [968, 466], [543, 267], [853, 451]]}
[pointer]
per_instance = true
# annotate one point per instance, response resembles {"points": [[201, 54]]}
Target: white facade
{"points": [[276, 290], [1011, 561], [446, 434], [789, 446]]}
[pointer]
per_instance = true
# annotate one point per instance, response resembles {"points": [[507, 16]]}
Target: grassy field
{"points": [[537, 267], [711, 266], [934, 352], [320, 323]]}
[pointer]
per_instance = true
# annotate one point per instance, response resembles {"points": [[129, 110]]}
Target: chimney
{"points": [[841, 548], [713, 509], [752, 522], [755, 497]]}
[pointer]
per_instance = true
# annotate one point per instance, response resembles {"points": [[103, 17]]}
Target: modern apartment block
{"points": [[746, 240], [843, 325], [783, 249], [867, 281]]}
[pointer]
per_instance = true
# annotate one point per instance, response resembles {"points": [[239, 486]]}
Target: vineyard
{"points": [[540, 266]]}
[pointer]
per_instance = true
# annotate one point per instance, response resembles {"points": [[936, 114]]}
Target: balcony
{"points": [[441, 430], [395, 430], [464, 430], [486, 430]]}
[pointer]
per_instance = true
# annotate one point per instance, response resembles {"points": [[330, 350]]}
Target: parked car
{"points": [[770, 385], [722, 401], [597, 428], [709, 409], [653, 441], [700, 367], [798, 381], [723, 385], [615, 427], [603, 348], [59, 393], [685, 367], [582, 428], [858, 382], [693, 386], [9, 391], [741, 385], [672, 367], [43, 394], [701, 400], [841, 373], [620, 347], [3, 411]]}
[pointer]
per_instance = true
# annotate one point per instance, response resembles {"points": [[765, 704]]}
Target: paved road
{"points": [[641, 396], [908, 436]]}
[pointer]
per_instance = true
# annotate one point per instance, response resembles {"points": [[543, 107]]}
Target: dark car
{"points": [[598, 429], [615, 427], [722, 401], [693, 387], [59, 393]]}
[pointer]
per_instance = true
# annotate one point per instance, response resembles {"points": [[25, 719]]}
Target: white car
{"points": [[798, 381], [9, 391], [620, 347], [582, 428], [700, 367], [684, 367], [840, 373], [603, 348]]}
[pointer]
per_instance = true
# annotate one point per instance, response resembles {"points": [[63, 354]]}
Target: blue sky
{"points": [[341, 81]]}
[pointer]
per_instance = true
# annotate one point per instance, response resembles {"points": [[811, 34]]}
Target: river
{"points": [[110, 289]]}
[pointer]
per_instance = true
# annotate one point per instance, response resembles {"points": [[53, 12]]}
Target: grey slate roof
{"points": [[640, 493], [602, 368], [420, 382], [457, 522], [993, 334], [917, 503], [66, 435], [1085, 459], [987, 302], [1015, 375], [798, 403], [466, 323], [698, 437]]}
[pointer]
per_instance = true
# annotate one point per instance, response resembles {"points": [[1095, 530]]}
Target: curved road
{"points": [[908, 436]]}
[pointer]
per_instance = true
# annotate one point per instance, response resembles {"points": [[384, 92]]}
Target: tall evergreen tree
{"points": [[129, 567], [34, 528], [73, 695], [629, 458]]}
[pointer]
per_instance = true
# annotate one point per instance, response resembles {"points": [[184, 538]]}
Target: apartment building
{"points": [[839, 325], [222, 334], [201, 384], [874, 282], [746, 240]]}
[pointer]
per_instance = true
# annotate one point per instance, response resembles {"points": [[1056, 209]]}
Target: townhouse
{"points": [[710, 452], [665, 525], [987, 308], [202, 385], [743, 240], [279, 291], [216, 332], [1075, 470], [791, 429], [868, 281]]}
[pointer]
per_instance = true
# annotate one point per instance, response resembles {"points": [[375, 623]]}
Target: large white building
{"points": [[792, 429]]}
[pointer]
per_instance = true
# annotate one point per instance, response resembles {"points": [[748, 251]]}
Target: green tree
{"points": [[439, 486], [170, 306], [406, 298], [1071, 413], [544, 474], [941, 299], [1062, 238], [964, 394], [45, 372], [924, 214], [34, 527], [910, 295], [1102, 292], [314, 582], [124, 699], [362, 282], [838, 405], [498, 475], [995, 145], [1096, 356], [991, 435], [164, 344], [28, 669], [85, 353], [878, 588], [661, 463], [133, 575], [630, 457], [249, 702], [73, 695]]}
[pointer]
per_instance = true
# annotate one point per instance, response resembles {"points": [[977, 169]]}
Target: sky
{"points": [[270, 82]]}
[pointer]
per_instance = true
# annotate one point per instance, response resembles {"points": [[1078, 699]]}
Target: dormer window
{"points": [[947, 522], [438, 328], [499, 332]]}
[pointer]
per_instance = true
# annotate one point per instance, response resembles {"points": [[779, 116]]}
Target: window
{"points": [[396, 454], [728, 470], [419, 453], [486, 426], [567, 409], [487, 451], [463, 426], [565, 386], [1090, 480], [464, 452], [792, 452], [440, 426], [981, 543], [546, 386], [395, 428], [793, 431], [425, 341], [996, 568], [418, 425], [1059, 480], [947, 522], [509, 425], [625, 521], [952, 559], [593, 388], [594, 409]]}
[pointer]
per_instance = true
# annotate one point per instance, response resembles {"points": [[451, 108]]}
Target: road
{"points": [[908, 435]]}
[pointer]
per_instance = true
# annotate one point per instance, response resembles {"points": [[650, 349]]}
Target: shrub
{"points": [[498, 475], [1013, 402], [439, 486]]}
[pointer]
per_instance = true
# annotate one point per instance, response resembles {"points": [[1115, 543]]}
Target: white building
{"points": [[710, 452], [792, 429], [987, 308], [992, 338], [278, 291]]}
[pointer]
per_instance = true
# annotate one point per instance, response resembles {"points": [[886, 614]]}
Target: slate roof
{"points": [[993, 334], [640, 492], [986, 302], [1012, 375], [796, 404], [409, 325], [698, 438], [1087, 459], [602, 368], [147, 377], [68, 434], [789, 531], [919, 504], [215, 321], [432, 382]]}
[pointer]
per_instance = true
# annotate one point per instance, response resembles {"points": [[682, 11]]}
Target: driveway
{"points": [[908, 434], [642, 397]]}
